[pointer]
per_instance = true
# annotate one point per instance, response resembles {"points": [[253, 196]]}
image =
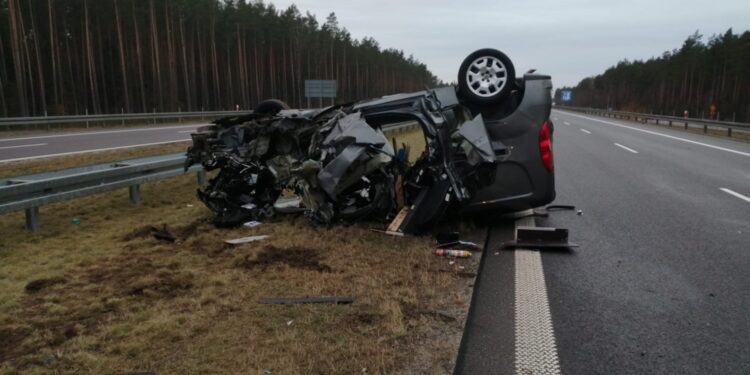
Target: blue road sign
{"points": [[566, 95]]}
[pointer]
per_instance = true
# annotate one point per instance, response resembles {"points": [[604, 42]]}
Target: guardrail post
{"points": [[87, 118], [122, 113], [134, 191], [670, 123], [32, 219], [657, 121], [179, 118], [705, 128], [729, 132], [201, 175], [686, 125], [154, 109]]}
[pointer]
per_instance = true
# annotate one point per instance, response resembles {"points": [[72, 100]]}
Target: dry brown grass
{"points": [[104, 296]]}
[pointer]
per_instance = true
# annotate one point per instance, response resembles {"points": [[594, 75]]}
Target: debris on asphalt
{"points": [[305, 300], [452, 253], [242, 240], [76, 221], [539, 238], [289, 323], [252, 224], [579, 212]]}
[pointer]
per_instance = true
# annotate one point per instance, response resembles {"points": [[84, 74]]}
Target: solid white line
{"points": [[736, 194], [100, 132], [585, 131], [186, 131], [663, 135], [95, 150], [566, 123], [19, 146], [626, 148], [536, 351]]}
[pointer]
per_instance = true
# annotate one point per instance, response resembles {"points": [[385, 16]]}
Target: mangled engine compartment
{"points": [[337, 165]]}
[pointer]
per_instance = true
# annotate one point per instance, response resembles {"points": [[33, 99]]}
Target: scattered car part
{"points": [[238, 241], [452, 253], [539, 238], [305, 300], [270, 107]]}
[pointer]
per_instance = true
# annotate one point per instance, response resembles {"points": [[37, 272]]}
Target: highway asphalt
{"points": [[661, 282], [25, 147]]}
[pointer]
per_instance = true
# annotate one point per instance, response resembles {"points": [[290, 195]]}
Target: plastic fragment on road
{"points": [[305, 300], [252, 224], [242, 240], [452, 253]]}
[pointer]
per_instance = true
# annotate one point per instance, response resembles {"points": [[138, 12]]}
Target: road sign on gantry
{"points": [[318, 88]]}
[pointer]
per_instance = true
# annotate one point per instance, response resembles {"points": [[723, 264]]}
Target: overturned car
{"points": [[488, 147]]}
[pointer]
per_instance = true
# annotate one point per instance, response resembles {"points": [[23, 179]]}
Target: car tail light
{"points": [[545, 147]]}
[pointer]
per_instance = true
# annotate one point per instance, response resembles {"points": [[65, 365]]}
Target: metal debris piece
{"points": [[242, 240], [539, 238], [305, 300], [252, 224], [163, 234]]}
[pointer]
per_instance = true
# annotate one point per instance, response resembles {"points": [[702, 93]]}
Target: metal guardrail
{"points": [[11, 122], [32, 191], [659, 119]]}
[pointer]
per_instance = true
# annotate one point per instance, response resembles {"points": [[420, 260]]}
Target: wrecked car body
{"points": [[483, 151]]}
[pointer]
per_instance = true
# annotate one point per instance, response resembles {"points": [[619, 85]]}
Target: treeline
{"points": [[107, 56], [693, 78]]}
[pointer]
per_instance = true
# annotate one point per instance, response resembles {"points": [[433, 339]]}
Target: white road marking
{"points": [[100, 132], [95, 150], [664, 135], [585, 131], [566, 123], [20, 146], [626, 148], [186, 131], [736, 194], [536, 351]]}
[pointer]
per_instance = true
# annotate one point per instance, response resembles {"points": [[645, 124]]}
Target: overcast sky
{"points": [[569, 40]]}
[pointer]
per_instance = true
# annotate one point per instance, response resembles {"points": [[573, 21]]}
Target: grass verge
{"points": [[105, 296]]}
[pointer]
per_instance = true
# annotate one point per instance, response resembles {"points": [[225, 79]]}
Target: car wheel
{"points": [[270, 107], [486, 77]]}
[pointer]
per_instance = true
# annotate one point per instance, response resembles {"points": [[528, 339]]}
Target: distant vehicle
{"points": [[488, 147]]}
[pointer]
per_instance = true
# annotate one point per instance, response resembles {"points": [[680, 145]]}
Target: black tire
{"points": [[270, 107], [492, 77]]}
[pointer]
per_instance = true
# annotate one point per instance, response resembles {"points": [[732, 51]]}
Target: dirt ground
{"points": [[106, 296]]}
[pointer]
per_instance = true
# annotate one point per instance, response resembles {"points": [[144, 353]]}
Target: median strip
{"points": [[94, 150]]}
